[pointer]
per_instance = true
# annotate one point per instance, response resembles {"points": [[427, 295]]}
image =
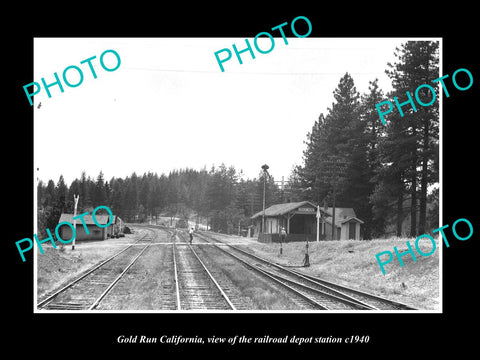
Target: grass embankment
{"points": [[353, 263]]}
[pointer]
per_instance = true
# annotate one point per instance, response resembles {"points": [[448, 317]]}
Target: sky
{"points": [[169, 106]]}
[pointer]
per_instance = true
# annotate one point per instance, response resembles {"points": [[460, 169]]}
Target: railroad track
{"points": [[329, 295], [375, 301], [314, 297], [87, 291], [189, 285], [300, 300], [197, 289]]}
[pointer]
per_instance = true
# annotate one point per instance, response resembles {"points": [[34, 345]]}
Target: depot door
{"points": [[351, 230]]}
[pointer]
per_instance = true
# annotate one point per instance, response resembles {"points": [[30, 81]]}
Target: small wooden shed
{"points": [[347, 225], [94, 232]]}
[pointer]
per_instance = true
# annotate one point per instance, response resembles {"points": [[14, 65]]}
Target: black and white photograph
{"points": [[269, 186], [279, 182]]}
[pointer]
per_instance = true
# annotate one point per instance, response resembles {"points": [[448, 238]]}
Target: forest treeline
{"points": [[219, 196], [387, 173]]}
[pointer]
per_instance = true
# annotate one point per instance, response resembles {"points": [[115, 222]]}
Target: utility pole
{"points": [[283, 190], [75, 200], [335, 172], [333, 206], [264, 168]]}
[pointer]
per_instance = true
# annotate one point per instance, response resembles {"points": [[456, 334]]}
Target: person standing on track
{"points": [[191, 234]]}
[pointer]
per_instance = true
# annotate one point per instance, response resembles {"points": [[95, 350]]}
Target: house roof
{"points": [[342, 215], [282, 209], [350, 219], [88, 219]]}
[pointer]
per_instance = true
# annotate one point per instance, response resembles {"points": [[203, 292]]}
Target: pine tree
{"points": [[100, 194], [373, 132], [116, 196], [335, 161], [417, 65], [50, 194], [144, 193], [309, 175], [130, 197], [61, 193], [373, 127], [390, 188], [41, 194], [85, 196]]}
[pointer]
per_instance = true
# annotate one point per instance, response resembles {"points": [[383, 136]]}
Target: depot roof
{"points": [[342, 215], [283, 209]]}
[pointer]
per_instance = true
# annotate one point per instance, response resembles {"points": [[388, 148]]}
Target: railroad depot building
{"points": [[94, 232], [300, 222]]}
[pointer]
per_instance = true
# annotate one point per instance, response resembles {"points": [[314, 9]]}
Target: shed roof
{"points": [[342, 213], [350, 218], [283, 209], [88, 219]]}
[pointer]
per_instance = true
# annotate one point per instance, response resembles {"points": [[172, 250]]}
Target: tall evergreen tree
{"points": [[61, 193], [116, 196], [335, 160], [417, 65], [308, 176], [373, 132], [41, 194], [393, 161], [85, 196], [100, 194], [130, 197], [373, 127]]}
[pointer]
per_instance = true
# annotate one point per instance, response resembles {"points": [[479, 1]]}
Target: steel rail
{"points": [[358, 292], [117, 279], [211, 277], [270, 276], [283, 281], [334, 293], [88, 272], [354, 304], [327, 284], [177, 288]]}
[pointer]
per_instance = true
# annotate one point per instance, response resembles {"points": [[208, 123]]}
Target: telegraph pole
{"points": [[75, 199], [335, 172], [264, 168], [333, 208]]}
